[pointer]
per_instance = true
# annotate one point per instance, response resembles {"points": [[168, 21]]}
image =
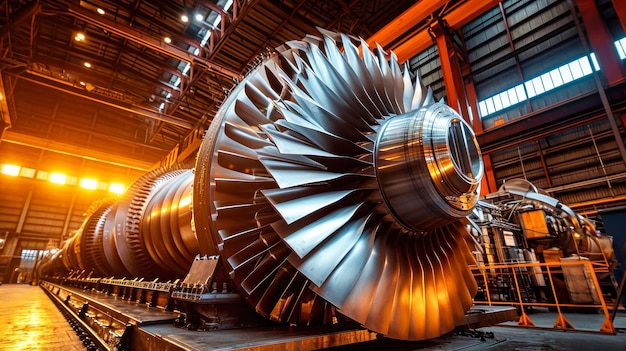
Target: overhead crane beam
{"points": [[407, 20], [5, 112], [148, 41], [66, 88], [458, 17], [76, 151]]}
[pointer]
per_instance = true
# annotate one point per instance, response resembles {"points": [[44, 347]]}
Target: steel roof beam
{"points": [[66, 88], [75, 151], [401, 24], [148, 41], [458, 17]]}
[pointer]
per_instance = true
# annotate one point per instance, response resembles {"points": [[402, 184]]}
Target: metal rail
{"points": [[550, 269]]}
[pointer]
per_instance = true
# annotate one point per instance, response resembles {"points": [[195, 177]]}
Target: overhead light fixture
{"points": [[116, 188], [87, 64], [80, 36], [88, 183], [199, 17], [27, 172], [184, 18], [100, 11], [167, 40], [57, 178], [12, 170]]}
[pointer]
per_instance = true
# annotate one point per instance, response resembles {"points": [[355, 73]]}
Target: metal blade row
{"points": [[296, 211]]}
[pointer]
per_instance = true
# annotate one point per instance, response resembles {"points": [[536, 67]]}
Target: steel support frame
{"points": [[543, 163], [601, 41], [460, 92], [560, 116], [488, 183], [451, 68], [458, 17], [150, 42], [620, 10]]}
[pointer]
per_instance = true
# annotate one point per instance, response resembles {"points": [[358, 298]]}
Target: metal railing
{"points": [[519, 274]]}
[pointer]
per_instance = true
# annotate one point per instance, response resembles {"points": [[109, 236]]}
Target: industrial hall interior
{"points": [[312, 175]]}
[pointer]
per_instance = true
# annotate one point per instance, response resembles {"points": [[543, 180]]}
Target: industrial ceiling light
{"points": [[88, 183], [80, 36], [100, 11], [87, 64], [199, 17], [57, 178], [12, 170], [184, 18], [116, 188], [167, 40]]}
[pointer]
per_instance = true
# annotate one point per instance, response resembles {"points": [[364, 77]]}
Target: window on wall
{"points": [[28, 258], [548, 81], [621, 48]]}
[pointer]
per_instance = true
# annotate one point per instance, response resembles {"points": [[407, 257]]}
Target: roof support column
{"points": [[596, 77], [472, 102], [488, 183], [601, 41], [3, 126], [452, 78], [620, 10], [543, 163]]}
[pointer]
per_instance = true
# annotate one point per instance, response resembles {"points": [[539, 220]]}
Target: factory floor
{"points": [[30, 321]]}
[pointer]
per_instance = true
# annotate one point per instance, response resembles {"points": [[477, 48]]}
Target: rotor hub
{"points": [[428, 167]]}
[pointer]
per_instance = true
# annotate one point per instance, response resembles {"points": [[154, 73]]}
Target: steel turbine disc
{"points": [[329, 179]]}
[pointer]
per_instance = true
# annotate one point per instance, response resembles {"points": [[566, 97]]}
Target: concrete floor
{"points": [[508, 336], [29, 321]]}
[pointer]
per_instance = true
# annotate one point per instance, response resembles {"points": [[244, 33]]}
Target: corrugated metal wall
{"points": [[578, 164]]}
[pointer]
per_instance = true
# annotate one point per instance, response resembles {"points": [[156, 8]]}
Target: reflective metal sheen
{"points": [[331, 185], [428, 166], [331, 180]]}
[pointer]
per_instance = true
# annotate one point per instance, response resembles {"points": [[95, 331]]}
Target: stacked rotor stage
{"points": [[147, 233], [329, 180]]}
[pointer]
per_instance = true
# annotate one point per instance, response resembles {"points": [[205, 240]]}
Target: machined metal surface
{"points": [[146, 233], [332, 187], [329, 170]]}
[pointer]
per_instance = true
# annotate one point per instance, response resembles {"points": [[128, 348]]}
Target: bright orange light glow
{"points": [[100, 11], [87, 64], [27, 172], [116, 188], [11, 170], [79, 36], [185, 201], [167, 40], [88, 183], [42, 175], [184, 18], [57, 178]]}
